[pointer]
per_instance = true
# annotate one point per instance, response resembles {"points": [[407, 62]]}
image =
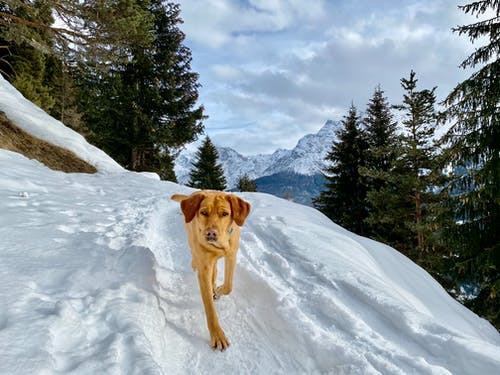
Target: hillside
{"points": [[34, 121], [95, 278], [14, 139]]}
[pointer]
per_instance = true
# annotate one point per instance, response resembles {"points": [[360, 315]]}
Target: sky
{"points": [[274, 70]]}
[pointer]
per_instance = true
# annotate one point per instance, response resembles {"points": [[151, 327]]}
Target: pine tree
{"points": [[23, 64], [474, 149], [381, 134], [145, 110], [207, 174], [383, 149], [418, 174], [245, 183], [39, 58], [344, 198], [30, 76], [99, 32], [65, 91]]}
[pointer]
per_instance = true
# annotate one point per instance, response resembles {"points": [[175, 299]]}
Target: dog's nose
{"points": [[211, 234]]}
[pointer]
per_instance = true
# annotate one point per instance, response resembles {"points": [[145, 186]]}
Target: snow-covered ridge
{"points": [[38, 123], [96, 278], [306, 158]]}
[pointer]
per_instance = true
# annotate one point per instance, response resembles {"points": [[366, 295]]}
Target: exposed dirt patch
{"points": [[15, 139]]}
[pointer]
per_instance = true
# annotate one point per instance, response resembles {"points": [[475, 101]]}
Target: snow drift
{"points": [[95, 278], [38, 123]]}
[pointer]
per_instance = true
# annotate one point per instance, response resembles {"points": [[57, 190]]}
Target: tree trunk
{"points": [[418, 217]]}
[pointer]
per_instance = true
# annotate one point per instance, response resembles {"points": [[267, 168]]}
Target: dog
{"points": [[212, 220]]}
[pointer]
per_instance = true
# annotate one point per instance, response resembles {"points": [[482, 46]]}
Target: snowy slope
{"points": [[35, 121], [306, 158], [95, 278]]}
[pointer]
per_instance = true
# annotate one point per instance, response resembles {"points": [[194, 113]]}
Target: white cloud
{"points": [[225, 71], [280, 69], [215, 23]]}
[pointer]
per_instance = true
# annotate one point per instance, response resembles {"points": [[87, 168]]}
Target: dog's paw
{"points": [[218, 340], [220, 291]]}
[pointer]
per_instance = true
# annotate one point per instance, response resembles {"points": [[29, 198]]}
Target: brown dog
{"points": [[212, 220]]}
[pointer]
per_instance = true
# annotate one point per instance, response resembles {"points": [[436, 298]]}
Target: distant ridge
{"points": [[293, 174]]}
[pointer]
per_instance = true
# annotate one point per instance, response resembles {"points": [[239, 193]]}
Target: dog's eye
{"points": [[225, 213], [204, 213]]}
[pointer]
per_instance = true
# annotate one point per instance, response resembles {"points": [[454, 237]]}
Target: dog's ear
{"points": [[190, 205], [239, 208], [178, 197]]}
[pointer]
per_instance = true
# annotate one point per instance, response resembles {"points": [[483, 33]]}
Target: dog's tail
{"points": [[179, 197]]}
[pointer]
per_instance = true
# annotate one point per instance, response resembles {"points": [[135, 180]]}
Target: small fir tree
{"points": [[207, 173], [380, 129], [382, 152], [343, 200], [245, 183]]}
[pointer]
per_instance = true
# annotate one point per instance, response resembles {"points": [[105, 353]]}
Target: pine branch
{"points": [[36, 25]]}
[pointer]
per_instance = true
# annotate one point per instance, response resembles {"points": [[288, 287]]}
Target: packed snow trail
{"points": [[96, 278]]}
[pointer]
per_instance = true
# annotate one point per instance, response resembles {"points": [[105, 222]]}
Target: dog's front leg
{"points": [[214, 278], [218, 339], [227, 287]]}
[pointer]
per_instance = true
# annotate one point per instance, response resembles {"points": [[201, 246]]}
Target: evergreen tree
{"points": [[344, 198], [29, 76], [142, 112], [245, 183], [65, 92], [383, 149], [207, 174], [23, 64], [100, 32], [39, 58], [474, 150], [418, 175], [381, 134]]}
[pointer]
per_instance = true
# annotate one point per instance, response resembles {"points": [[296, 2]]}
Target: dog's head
{"points": [[213, 214]]}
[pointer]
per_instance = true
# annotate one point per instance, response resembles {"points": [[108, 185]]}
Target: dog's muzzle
{"points": [[211, 235]]}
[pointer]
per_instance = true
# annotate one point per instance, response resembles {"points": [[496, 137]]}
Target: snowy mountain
{"points": [[96, 278], [304, 162], [307, 157]]}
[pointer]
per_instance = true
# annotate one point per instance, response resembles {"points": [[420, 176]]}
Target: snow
{"points": [[35, 121], [96, 278]]}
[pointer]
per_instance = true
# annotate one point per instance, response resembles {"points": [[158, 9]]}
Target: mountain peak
{"points": [[329, 128], [306, 158]]}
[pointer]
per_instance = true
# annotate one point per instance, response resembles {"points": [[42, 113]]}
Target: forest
{"points": [[119, 73]]}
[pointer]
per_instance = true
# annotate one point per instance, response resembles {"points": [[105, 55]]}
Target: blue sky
{"points": [[275, 70]]}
